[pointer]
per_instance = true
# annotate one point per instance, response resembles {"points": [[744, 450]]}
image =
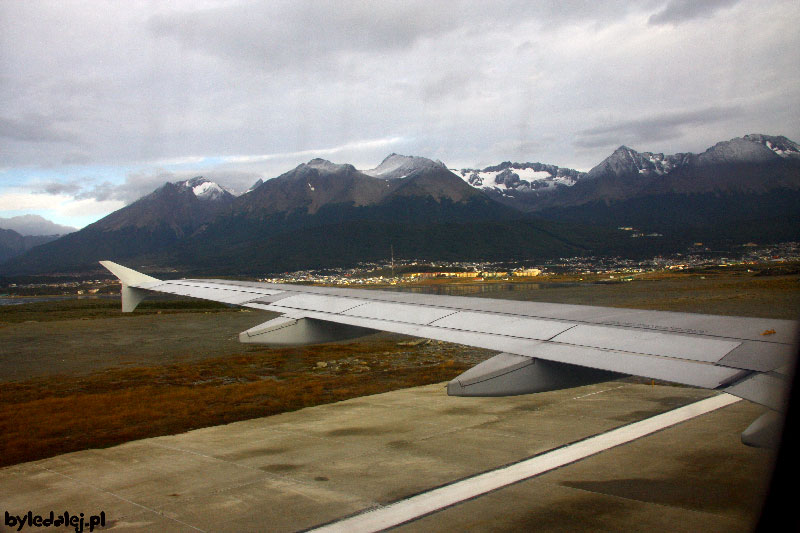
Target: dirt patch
{"points": [[250, 454], [353, 432], [279, 468]]}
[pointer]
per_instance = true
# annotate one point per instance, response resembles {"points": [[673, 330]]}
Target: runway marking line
{"points": [[415, 507]]}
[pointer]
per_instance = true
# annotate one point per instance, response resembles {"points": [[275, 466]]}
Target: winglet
{"points": [[131, 296], [126, 275]]}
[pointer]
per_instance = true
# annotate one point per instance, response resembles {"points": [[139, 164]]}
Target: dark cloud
{"points": [[459, 83], [103, 192], [134, 187], [677, 11], [58, 188], [35, 129], [278, 34], [288, 33], [659, 127], [140, 184]]}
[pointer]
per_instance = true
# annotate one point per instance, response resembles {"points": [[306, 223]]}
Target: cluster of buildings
{"points": [[413, 271], [475, 274], [63, 287], [405, 272]]}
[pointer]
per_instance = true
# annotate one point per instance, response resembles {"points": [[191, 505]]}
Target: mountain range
{"points": [[750, 164], [325, 214], [34, 225], [21, 233]]}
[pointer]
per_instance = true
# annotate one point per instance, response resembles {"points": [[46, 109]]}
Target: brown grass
{"points": [[46, 417], [50, 311]]}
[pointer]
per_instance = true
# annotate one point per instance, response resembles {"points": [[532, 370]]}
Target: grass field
{"points": [[78, 374]]}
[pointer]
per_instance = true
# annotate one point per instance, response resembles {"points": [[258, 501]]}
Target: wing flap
{"points": [[313, 302], [409, 314], [648, 342], [529, 328], [764, 389], [760, 356]]}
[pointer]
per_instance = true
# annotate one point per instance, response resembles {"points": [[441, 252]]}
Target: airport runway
{"points": [[317, 466]]}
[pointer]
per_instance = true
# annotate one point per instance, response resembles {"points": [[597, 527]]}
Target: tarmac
{"points": [[304, 469]]}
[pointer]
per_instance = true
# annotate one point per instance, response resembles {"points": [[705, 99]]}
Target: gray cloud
{"points": [[105, 191], [35, 129], [58, 188], [134, 187], [655, 128], [677, 11], [139, 184], [75, 158], [279, 33], [133, 94], [287, 33]]}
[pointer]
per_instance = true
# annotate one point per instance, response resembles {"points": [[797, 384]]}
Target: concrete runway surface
{"points": [[319, 465]]}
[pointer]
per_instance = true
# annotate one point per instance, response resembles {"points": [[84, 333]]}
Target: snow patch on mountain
{"points": [[508, 178], [205, 189]]}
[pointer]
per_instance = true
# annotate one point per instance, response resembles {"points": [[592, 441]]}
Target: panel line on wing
{"points": [[566, 330], [432, 322]]}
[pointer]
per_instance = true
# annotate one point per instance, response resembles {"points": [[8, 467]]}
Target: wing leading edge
{"points": [[544, 346]]}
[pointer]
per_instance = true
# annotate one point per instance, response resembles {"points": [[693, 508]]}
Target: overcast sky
{"points": [[104, 102]]}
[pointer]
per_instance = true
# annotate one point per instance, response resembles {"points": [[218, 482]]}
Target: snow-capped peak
{"points": [[397, 166], [205, 189]]}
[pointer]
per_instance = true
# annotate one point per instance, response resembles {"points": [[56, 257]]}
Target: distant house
{"points": [[527, 272]]}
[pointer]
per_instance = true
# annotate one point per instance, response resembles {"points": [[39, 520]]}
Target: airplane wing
{"points": [[543, 346]]}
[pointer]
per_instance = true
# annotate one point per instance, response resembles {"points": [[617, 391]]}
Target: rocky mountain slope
{"points": [[751, 164], [321, 213], [198, 222], [12, 244], [153, 223]]}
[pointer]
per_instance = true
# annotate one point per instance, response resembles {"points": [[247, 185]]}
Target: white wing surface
{"points": [[544, 346]]}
